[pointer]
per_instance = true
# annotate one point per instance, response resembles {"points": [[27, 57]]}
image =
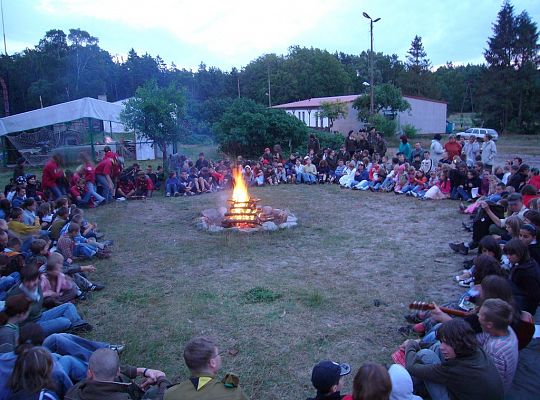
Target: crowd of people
{"points": [[467, 349]]}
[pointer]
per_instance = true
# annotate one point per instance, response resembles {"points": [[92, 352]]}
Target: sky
{"points": [[232, 33]]}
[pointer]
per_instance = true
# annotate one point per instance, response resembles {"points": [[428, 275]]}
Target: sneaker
{"points": [[168, 194], [176, 194], [459, 248], [96, 287], [119, 348], [466, 283], [121, 199], [107, 243], [414, 194]]}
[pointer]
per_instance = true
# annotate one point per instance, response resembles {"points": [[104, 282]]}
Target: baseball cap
{"points": [[514, 197], [327, 373]]}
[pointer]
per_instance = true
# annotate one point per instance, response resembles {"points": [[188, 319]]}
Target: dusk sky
{"points": [[232, 33]]}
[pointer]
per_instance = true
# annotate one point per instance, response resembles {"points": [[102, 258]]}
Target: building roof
{"points": [[317, 101]]}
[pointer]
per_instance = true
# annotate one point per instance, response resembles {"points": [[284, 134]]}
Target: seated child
{"points": [[61, 219], [143, 186], [171, 185], [281, 174], [71, 249], [185, 184], [57, 288], [125, 189]]}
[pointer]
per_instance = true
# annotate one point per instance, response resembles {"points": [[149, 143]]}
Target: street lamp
{"points": [[371, 22]]}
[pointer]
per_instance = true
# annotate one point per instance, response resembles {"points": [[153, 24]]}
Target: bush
{"points": [[410, 131], [382, 124], [327, 139], [246, 128]]}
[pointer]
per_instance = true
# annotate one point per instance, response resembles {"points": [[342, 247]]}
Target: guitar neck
{"points": [[456, 313]]}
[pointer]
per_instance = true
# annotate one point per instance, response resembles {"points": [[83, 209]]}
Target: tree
{"points": [[246, 128], [511, 81], [416, 79], [333, 110], [156, 114], [386, 97]]}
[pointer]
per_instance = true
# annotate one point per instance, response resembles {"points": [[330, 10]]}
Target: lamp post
{"points": [[371, 22]]}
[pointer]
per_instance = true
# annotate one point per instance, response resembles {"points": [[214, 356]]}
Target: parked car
{"points": [[479, 133]]}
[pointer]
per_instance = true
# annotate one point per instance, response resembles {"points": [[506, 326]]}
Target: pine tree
{"points": [[417, 80]]}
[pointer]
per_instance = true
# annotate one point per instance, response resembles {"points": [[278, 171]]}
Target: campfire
{"points": [[243, 211], [244, 214]]}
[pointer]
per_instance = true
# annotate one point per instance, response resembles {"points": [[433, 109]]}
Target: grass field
{"points": [[284, 299], [337, 286]]}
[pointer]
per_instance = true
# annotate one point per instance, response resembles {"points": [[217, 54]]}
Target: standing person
{"points": [[89, 174], [350, 145], [459, 369], [104, 177], [436, 150], [203, 359], [489, 151], [418, 151], [405, 147], [471, 149], [380, 145], [452, 147], [52, 176], [313, 144]]}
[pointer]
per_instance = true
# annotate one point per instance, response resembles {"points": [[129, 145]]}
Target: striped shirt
{"points": [[503, 351]]}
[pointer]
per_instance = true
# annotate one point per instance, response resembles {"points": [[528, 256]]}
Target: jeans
{"points": [[66, 344], [171, 188], [92, 190], [387, 184], [407, 188], [102, 181], [7, 282], [436, 390], [363, 185], [83, 250], [57, 192], [74, 368], [459, 192], [59, 319]]}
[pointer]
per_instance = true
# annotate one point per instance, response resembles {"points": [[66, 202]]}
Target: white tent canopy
{"points": [[60, 113]]}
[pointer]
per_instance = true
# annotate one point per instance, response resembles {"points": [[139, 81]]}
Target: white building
{"points": [[428, 116]]}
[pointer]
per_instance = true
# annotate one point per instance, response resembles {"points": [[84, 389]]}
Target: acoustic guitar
{"points": [[524, 329]]}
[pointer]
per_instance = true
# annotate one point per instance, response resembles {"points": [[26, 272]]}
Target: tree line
{"points": [[504, 91]]}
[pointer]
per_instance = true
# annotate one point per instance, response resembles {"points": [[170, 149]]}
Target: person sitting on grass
{"points": [[17, 226], [57, 288], [298, 171], [20, 197], [185, 184], [15, 310], [498, 339], [32, 377], [270, 176], [143, 186], [59, 222], [203, 359], [81, 196], [71, 249], [125, 189], [58, 319], [281, 174], [103, 379], [171, 185], [455, 369], [371, 382], [524, 276], [310, 172], [328, 378]]}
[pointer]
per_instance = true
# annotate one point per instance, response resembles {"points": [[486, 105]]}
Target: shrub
{"points": [[382, 124], [410, 131]]}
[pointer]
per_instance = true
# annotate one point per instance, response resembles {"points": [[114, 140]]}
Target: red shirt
{"points": [[51, 173], [89, 173], [104, 167], [535, 181], [453, 149]]}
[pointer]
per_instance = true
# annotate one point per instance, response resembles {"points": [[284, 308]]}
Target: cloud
{"points": [[225, 28]]}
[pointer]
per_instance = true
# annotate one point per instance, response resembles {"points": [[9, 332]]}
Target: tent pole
{"points": [[4, 150], [91, 128]]}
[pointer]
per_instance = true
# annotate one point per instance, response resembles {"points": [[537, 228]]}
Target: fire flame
{"points": [[240, 192]]}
